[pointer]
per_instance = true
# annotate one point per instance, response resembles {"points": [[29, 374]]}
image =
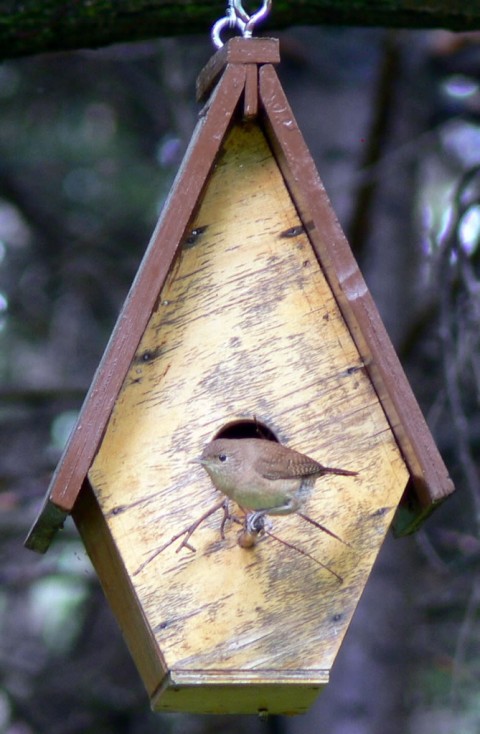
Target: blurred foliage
{"points": [[89, 143], [84, 171]]}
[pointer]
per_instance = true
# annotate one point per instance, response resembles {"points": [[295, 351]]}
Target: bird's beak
{"points": [[197, 460]]}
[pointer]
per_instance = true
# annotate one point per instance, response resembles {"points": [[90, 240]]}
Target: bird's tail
{"points": [[342, 472]]}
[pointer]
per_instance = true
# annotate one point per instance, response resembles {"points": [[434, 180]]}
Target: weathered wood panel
{"points": [[246, 325]]}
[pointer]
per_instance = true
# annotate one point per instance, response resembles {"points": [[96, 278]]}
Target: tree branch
{"points": [[37, 26]]}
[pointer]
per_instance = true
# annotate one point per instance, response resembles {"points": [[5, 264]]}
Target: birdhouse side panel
{"points": [[100, 546]]}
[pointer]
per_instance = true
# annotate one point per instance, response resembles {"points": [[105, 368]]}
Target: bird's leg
{"points": [[255, 525], [255, 522]]}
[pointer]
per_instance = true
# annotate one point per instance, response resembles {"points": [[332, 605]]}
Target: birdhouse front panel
{"points": [[246, 329]]}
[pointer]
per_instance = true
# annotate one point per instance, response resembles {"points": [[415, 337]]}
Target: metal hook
{"points": [[240, 11], [257, 17], [237, 17]]}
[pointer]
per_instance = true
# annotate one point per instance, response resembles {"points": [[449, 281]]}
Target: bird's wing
{"points": [[290, 467]]}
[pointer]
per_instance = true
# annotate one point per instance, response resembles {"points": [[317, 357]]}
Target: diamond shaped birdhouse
{"points": [[249, 318]]}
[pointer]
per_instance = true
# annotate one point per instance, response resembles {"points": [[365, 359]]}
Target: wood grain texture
{"points": [[246, 325], [429, 474]]}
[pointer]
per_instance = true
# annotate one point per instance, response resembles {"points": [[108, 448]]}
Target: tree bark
{"points": [[37, 26]]}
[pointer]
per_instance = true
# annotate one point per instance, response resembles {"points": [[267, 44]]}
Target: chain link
{"points": [[236, 17]]}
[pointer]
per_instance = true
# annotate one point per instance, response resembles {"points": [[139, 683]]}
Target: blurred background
{"points": [[89, 144]]}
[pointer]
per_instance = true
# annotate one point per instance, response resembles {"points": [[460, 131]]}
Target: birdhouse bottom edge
{"points": [[261, 692]]}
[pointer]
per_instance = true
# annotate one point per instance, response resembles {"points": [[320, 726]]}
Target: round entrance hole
{"points": [[246, 429]]}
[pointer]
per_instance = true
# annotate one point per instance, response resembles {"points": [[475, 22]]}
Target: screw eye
{"points": [[222, 457]]}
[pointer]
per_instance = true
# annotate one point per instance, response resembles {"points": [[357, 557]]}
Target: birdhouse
{"points": [[248, 318]]}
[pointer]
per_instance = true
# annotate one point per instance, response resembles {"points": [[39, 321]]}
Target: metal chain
{"points": [[236, 17]]}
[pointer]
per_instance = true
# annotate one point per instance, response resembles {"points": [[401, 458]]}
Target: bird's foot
{"points": [[254, 526], [257, 522]]}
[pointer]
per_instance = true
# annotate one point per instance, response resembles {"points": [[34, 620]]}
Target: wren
{"points": [[261, 475]]}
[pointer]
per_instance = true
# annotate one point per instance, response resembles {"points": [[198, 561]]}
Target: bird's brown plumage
{"points": [[263, 475]]}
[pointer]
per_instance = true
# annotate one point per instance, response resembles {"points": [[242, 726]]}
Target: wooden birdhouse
{"points": [[248, 317]]}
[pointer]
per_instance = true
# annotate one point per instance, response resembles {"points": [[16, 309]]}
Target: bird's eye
{"points": [[222, 457]]}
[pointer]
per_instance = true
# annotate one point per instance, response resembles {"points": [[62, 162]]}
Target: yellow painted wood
{"points": [[246, 326]]}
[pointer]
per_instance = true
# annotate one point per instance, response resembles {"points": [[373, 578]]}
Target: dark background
{"points": [[89, 144]]}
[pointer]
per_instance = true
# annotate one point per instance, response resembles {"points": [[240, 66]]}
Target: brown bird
{"points": [[262, 475]]}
